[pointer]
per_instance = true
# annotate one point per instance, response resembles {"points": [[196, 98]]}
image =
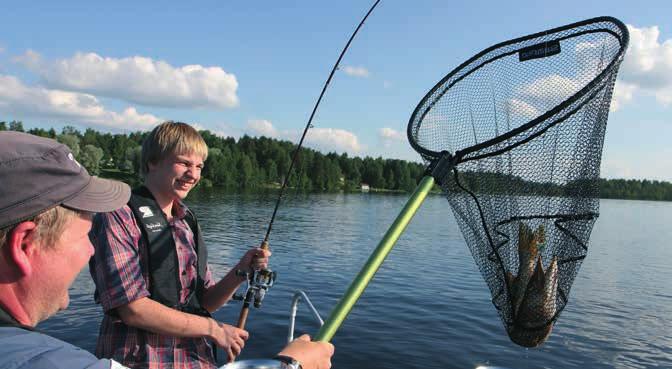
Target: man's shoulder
{"points": [[20, 349], [122, 217], [123, 212]]}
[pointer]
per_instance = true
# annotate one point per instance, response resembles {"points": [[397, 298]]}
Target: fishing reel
{"points": [[257, 283]]}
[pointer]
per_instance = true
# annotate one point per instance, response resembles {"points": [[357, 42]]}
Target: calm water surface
{"points": [[428, 306]]}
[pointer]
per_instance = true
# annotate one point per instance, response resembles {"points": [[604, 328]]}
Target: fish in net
{"points": [[521, 126]]}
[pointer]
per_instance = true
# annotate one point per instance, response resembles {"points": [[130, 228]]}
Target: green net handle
{"points": [[374, 262]]}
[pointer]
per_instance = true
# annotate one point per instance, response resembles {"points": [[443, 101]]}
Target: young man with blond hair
{"points": [[151, 270]]}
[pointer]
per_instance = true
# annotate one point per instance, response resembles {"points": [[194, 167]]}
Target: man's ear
{"points": [[22, 247], [151, 166]]}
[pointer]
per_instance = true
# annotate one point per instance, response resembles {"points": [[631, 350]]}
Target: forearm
{"points": [[152, 316], [221, 292]]}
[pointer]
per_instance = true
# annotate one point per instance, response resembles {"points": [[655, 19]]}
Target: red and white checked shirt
{"points": [[120, 271]]}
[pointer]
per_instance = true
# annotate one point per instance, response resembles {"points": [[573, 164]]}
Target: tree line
{"points": [[246, 163], [254, 163]]}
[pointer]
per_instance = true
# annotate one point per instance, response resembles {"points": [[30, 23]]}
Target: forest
{"points": [[253, 163]]}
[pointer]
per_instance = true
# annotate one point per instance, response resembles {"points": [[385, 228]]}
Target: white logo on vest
{"points": [[146, 211]]}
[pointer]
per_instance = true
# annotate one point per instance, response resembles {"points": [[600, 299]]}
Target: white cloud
{"points": [[19, 99], [333, 139], [323, 139], [521, 108], [29, 59], [534, 98], [553, 88], [391, 134], [647, 66], [356, 71], [262, 127], [138, 80], [646, 69], [387, 84], [218, 129], [623, 93]]}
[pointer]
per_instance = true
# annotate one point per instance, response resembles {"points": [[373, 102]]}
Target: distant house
{"points": [[365, 187]]}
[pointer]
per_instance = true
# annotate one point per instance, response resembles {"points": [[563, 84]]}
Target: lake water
{"points": [[428, 306]]}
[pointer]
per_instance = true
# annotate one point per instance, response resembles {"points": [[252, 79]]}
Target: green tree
{"points": [[90, 137], [90, 158], [16, 125], [133, 159], [71, 141], [39, 132], [118, 148], [70, 130], [372, 173], [272, 171], [246, 177]]}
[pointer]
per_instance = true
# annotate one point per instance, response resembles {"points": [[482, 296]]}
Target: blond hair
{"points": [[171, 138], [50, 225]]}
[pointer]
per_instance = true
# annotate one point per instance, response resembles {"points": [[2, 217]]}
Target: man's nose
{"points": [[193, 171]]}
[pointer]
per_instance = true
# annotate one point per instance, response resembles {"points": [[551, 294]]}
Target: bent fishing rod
{"points": [[259, 281]]}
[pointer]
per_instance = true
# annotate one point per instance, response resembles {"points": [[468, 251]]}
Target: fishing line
{"points": [[259, 281], [310, 120]]}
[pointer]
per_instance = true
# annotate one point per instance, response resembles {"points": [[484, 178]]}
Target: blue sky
{"points": [[257, 67]]}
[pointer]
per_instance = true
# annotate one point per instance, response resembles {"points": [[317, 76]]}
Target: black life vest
{"points": [[162, 255]]}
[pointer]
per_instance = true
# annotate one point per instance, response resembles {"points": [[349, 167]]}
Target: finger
{"points": [[260, 261], [330, 348], [235, 348], [304, 337], [260, 265], [243, 334], [241, 343], [230, 355], [261, 253]]}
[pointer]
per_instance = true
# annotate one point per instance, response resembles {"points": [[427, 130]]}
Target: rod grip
{"points": [[242, 319], [264, 245]]}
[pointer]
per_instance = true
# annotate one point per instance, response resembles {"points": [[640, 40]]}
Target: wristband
{"points": [[288, 362]]}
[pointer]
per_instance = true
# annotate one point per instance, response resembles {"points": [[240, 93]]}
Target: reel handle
{"points": [[245, 310]]}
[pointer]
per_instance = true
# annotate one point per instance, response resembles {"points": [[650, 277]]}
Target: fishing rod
{"points": [[259, 281]]}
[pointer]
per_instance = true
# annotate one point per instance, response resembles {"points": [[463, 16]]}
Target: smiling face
{"points": [[171, 178]]}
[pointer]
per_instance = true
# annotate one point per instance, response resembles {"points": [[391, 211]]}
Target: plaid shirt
{"points": [[120, 270]]}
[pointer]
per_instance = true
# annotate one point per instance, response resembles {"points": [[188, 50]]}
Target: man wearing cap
{"points": [[47, 200]]}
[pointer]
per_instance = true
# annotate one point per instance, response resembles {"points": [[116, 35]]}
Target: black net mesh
{"points": [[524, 123]]}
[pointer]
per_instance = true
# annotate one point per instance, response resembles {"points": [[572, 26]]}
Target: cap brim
{"points": [[100, 196]]}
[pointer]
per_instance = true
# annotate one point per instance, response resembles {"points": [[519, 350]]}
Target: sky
{"points": [[257, 68]]}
